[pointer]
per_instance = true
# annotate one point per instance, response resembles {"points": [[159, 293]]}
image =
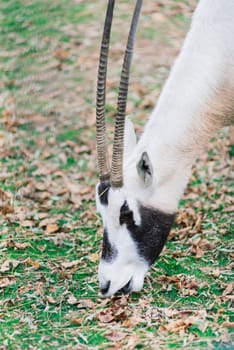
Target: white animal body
{"points": [[196, 101]]}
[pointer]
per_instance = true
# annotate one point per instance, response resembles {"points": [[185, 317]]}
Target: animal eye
{"points": [[126, 215]]}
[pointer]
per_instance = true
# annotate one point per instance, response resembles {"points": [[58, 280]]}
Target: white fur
{"points": [[197, 96], [179, 126], [127, 265]]}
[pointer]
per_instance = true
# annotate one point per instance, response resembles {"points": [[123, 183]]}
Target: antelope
{"points": [[138, 196]]}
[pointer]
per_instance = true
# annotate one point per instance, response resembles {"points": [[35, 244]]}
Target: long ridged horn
{"points": [[102, 154], [117, 158]]}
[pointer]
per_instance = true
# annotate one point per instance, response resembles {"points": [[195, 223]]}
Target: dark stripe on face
{"points": [[103, 190], [151, 235], [109, 252]]}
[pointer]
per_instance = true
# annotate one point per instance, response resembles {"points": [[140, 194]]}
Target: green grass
{"points": [[48, 172]]}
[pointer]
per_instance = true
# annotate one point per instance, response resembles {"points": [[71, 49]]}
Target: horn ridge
{"points": [[102, 154], [118, 145]]}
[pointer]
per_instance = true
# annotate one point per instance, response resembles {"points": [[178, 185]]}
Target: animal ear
{"points": [[129, 138], [145, 169]]}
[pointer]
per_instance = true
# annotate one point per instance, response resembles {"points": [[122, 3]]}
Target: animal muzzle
{"points": [[105, 288]]}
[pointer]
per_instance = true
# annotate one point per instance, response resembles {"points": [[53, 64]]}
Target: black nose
{"points": [[127, 288], [104, 288]]}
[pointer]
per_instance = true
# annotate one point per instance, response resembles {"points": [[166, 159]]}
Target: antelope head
{"points": [[134, 233]]}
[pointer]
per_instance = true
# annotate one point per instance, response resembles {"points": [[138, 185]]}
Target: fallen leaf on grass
{"points": [[105, 316], [59, 238], [51, 299], [18, 215], [5, 206], [132, 321], [27, 223], [211, 271], [76, 321], [31, 262], [85, 304], [45, 168], [51, 228], [133, 340], [6, 281], [229, 289], [115, 335], [61, 54], [76, 200], [186, 284], [70, 264], [8, 265], [182, 324], [94, 257], [117, 311], [229, 209], [227, 324], [49, 221], [24, 245], [200, 246], [72, 300], [175, 326]]}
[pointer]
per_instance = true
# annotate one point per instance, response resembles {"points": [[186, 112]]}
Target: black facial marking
{"points": [[103, 190], [109, 252], [152, 234], [126, 215]]}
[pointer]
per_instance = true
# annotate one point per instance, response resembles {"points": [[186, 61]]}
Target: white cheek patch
{"points": [[116, 199], [111, 212]]}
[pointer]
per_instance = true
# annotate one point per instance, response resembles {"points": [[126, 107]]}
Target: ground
{"points": [[50, 234]]}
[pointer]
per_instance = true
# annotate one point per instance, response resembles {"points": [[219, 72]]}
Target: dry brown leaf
{"points": [[133, 340], [5, 206], [116, 335], [51, 299], [45, 168], [72, 300], [94, 257], [6, 281], [132, 321], [61, 54], [27, 223], [186, 284], [76, 321], [48, 221], [73, 187], [227, 324], [177, 326], [105, 317], [19, 214], [201, 245], [229, 209], [229, 289], [198, 251], [8, 265], [31, 262], [76, 199], [51, 228], [211, 271], [24, 245], [117, 311], [85, 304], [70, 264]]}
